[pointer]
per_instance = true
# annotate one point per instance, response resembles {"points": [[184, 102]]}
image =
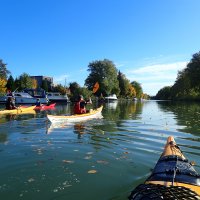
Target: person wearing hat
{"points": [[79, 107]]}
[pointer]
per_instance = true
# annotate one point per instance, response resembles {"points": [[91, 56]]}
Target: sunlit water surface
{"points": [[96, 159]]}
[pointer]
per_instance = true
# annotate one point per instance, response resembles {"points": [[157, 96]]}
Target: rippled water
{"points": [[96, 159]]}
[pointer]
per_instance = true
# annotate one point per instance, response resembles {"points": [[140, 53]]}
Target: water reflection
{"points": [[111, 105], [20, 116], [63, 109], [3, 137], [123, 110], [79, 129], [186, 114]]}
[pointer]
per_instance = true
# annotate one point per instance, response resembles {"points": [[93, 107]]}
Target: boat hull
{"points": [[45, 107], [19, 110], [111, 98], [57, 97], [96, 113]]}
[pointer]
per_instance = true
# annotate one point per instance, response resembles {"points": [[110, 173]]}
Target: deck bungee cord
{"points": [[173, 177]]}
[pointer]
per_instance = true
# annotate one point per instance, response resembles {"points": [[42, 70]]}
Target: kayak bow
{"points": [[172, 178]]}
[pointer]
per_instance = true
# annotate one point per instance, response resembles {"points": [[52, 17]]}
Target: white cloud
{"points": [[153, 88], [83, 70], [160, 68], [154, 77], [119, 65]]}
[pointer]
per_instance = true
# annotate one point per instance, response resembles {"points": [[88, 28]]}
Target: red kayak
{"points": [[45, 107]]}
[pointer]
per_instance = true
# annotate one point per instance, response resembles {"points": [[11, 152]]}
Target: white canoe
{"points": [[96, 113]]}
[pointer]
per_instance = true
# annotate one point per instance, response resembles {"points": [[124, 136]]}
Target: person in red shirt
{"points": [[79, 107]]}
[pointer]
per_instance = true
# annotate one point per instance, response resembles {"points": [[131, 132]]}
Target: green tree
{"points": [[138, 89], [25, 81], [182, 85], [164, 93], [105, 73], [60, 88], [10, 83], [4, 72], [145, 96], [17, 83], [193, 71], [187, 84], [123, 85], [76, 90], [74, 87], [85, 92]]}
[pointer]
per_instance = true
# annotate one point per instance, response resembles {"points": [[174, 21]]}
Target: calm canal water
{"points": [[101, 159]]}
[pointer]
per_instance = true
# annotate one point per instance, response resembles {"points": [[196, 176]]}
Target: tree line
{"points": [[111, 81], [187, 84]]}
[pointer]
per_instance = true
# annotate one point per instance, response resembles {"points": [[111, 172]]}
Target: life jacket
{"points": [[78, 109], [38, 103]]}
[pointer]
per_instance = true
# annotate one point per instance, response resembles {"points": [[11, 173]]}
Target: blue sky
{"points": [[148, 40]]}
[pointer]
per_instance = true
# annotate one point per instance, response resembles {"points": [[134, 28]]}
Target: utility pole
{"points": [[65, 82]]}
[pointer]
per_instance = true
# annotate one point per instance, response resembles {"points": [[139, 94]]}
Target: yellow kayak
{"points": [[173, 177], [19, 110], [93, 113]]}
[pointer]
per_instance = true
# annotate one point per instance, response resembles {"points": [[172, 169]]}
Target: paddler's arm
{"points": [[90, 101]]}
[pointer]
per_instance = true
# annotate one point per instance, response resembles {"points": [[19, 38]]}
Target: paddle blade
{"points": [[96, 87]]}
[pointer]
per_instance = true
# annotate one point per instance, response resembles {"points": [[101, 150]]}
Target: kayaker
{"points": [[9, 93], [79, 107], [10, 103], [38, 103]]}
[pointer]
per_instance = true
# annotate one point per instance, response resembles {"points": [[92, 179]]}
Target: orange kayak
{"points": [[173, 177]]}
